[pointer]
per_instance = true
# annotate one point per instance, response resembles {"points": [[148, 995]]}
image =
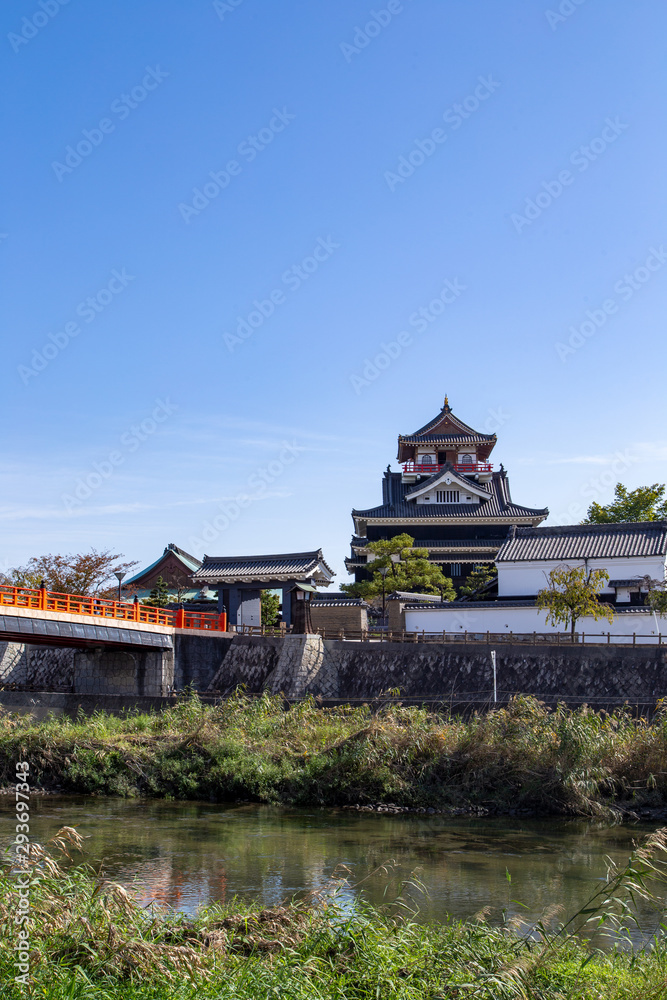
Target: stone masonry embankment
{"points": [[343, 669], [339, 670]]}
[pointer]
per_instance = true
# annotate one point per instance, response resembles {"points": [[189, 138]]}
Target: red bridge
{"points": [[120, 649], [72, 604]]}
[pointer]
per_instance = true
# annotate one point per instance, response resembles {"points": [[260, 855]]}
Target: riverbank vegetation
{"points": [[521, 757], [89, 939]]}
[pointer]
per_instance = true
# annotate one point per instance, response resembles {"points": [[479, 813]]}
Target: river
{"points": [[185, 854]]}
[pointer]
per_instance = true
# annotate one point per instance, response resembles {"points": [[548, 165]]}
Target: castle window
{"points": [[447, 496], [455, 569]]}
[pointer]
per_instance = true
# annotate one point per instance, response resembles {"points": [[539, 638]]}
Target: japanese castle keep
{"points": [[447, 496]]}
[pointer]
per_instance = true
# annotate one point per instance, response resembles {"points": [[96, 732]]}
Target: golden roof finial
{"points": [[446, 406]]}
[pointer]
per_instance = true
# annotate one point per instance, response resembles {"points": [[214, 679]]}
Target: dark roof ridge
{"points": [[314, 553], [171, 547], [582, 529]]}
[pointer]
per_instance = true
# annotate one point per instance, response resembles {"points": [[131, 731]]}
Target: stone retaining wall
{"points": [[343, 669], [41, 668], [338, 669]]}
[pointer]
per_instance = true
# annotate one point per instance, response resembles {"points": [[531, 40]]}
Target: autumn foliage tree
{"points": [[90, 574], [572, 594]]}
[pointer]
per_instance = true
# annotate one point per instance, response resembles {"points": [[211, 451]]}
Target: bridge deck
{"points": [[40, 617]]}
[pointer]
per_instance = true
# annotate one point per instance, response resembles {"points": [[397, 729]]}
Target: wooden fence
{"points": [[466, 638]]}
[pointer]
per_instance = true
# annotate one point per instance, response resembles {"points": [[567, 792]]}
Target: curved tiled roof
{"points": [[586, 541], [444, 413], [498, 504], [293, 565], [190, 562], [444, 543], [472, 438]]}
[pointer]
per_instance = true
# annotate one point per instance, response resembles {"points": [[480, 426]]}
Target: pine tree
{"points": [[159, 596], [270, 608], [474, 586]]}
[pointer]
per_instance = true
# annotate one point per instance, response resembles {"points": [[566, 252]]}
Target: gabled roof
{"points": [[447, 472], [285, 567], [190, 563], [498, 504], [449, 427], [586, 541]]}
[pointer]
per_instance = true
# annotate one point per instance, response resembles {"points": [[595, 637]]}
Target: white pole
{"points": [[495, 688], [655, 619]]}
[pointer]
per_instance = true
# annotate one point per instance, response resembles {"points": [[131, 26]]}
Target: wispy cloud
{"points": [[641, 451], [47, 513]]}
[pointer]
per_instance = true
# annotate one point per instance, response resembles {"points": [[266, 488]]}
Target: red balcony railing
{"points": [[430, 468], [71, 604]]}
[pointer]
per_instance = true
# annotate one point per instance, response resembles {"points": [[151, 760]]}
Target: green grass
{"points": [[577, 762], [89, 940]]}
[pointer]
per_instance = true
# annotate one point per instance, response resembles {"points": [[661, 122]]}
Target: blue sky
{"points": [[217, 216]]}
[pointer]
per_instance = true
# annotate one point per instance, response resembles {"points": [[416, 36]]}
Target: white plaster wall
{"points": [[453, 618], [526, 578]]}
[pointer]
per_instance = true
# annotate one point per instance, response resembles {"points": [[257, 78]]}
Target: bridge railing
{"points": [[40, 599]]}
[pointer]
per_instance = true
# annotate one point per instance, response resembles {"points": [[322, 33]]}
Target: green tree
{"points": [[646, 503], [159, 596], [477, 581], [89, 574], [409, 570], [572, 594], [270, 608], [656, 597]]}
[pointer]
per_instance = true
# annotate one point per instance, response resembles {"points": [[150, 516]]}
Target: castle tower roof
{"points": [[445, 431]]}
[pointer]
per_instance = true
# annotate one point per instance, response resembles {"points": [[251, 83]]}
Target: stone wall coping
{"points": [[209, 633]]}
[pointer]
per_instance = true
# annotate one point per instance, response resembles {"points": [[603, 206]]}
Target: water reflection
{"points": [[187, 854]]}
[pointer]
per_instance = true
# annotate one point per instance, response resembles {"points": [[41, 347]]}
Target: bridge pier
{"points": [[140, 672]]}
